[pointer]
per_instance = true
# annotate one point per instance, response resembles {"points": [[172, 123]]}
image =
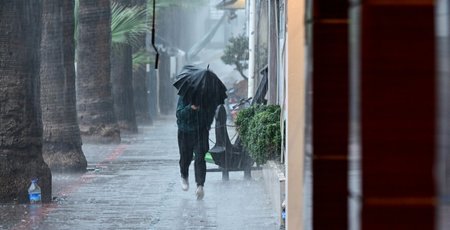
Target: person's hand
{"points": [[195, 107]]}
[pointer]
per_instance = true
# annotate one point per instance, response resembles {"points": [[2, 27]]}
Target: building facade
{"points": [[364, 86]]}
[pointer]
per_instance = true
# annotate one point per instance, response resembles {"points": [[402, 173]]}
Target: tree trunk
{"points": [[140, 82], [122, 83], [141, 102], [62, 141], [167, 93], [95, 103], [122, 86], [20, 119]]}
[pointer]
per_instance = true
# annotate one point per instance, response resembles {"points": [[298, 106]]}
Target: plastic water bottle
{"points": [[34, 192]]}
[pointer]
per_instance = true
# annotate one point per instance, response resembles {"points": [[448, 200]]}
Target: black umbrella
{"points": [[200, 86]]}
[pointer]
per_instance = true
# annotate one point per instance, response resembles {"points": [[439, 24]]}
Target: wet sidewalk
{"points": [[135, 185]]}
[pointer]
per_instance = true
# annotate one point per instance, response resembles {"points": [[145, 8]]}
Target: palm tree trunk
{"points": [[122, 85], [167, 93], [20, 112], [140, 81], [62, 141], [141, 102], [95, 103]]}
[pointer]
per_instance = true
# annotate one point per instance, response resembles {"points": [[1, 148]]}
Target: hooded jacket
{"points": [[189, 120]]}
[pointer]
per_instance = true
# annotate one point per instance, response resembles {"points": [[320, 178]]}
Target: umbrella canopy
{"points": [[200, 86]]}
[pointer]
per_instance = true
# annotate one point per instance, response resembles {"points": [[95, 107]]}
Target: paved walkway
{"points": [[135, 185]]}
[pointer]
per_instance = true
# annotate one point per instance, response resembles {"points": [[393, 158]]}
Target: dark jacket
{"points": [[189, 120]]}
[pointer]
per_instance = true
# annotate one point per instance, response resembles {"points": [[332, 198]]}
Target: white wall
{"points": [[295, 69]]}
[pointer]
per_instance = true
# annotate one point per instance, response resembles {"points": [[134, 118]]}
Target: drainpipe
{"points": [[251, 48]]}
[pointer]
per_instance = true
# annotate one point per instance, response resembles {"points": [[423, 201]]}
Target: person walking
{"points": [[193, 123]]}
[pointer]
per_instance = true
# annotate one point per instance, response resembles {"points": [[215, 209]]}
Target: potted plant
{"points": [[259, 129]]}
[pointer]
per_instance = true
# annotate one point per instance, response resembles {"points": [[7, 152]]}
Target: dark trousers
{"points": [[188, 143]]}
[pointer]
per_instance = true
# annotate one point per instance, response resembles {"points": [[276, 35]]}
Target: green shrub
{"points": [[259, 130]]}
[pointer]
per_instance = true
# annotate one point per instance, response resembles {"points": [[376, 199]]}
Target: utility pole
{"points": [[251, 48]]}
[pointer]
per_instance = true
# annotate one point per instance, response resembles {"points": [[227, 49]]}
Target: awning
{"points": [[231, 5]]}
